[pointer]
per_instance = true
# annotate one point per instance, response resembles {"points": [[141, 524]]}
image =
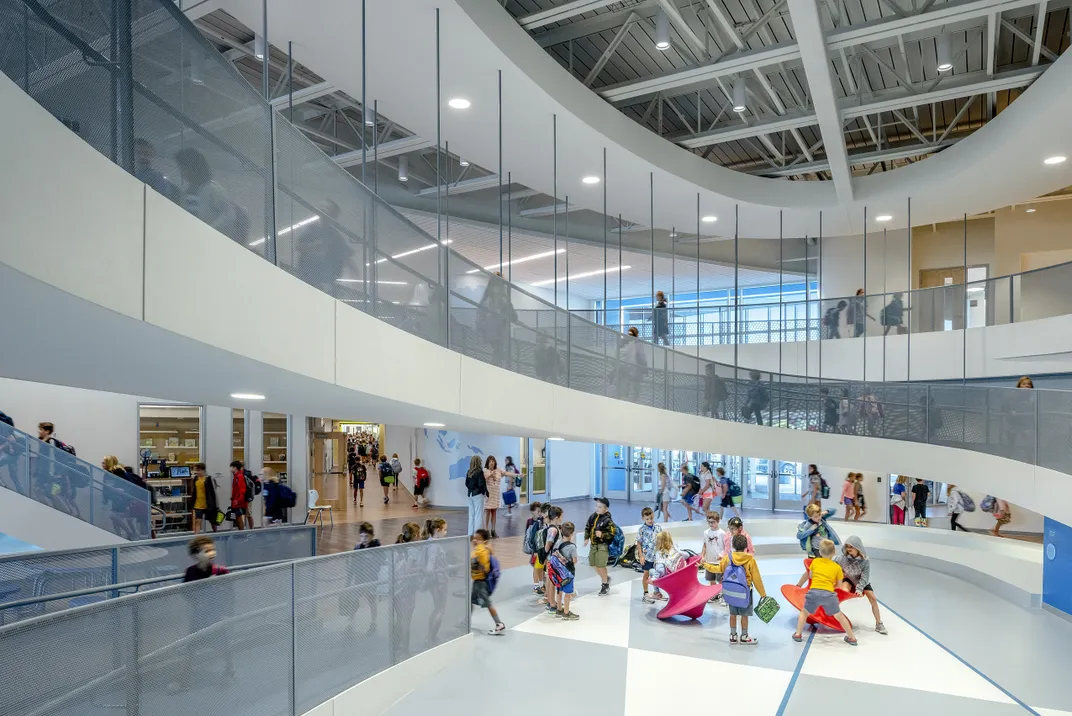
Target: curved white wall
{"points": [[195, 317]]}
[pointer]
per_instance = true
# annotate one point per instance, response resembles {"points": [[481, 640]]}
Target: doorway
{"points": [[329, 468]]}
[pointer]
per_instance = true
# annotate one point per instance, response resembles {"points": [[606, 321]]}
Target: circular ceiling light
{"points": [[1030, 211], [739, 104], [944, 51], [463, 162], [673, 234], [556, 438], [591, 180], [459, 103], [883, 217], [710, 219], [435, 425], [1059, 159], [247, 396], [662, 31]]}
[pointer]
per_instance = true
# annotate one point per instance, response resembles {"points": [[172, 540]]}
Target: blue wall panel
{"points": [[1057, 566]]}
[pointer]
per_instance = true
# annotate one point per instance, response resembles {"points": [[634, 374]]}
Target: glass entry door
{"points": [[790, 486], [758, 482], [642, 467], [616, 472]]}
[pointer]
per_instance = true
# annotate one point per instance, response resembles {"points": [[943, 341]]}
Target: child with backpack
{"points": [[532, 527], [726, 488], [548, 538], [387, 477], [358, 477], [484, 570], [396, 469], [713, 550], [645, 551], [857, 570], [826, 576], [739, 574], [600, 531], [421, 480], [564, 564]]}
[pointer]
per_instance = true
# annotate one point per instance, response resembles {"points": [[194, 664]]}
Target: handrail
{"points": [[351, 249]]}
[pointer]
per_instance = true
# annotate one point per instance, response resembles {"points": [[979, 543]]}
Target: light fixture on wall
{"points": [[258, 46], [1059, 159], [662, 31], [556, 438], [739, 104], [403, 169], [1029, 211], [435, 425], [247, 396], [944, 48], [883, 217], [709, 219], [591, 179]]}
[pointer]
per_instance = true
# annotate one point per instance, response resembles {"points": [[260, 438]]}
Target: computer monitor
{"points": [[183, 471]]}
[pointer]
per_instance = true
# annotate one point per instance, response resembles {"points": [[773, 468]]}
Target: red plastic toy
{"points": [[687, 596], [795, 596]]}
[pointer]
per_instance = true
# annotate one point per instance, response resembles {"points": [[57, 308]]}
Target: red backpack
{"points": [[423, 478]]}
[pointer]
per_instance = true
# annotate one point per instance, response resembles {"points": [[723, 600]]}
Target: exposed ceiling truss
{"points": [[832, 88]]}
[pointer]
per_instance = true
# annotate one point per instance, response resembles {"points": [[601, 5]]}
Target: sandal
{"points": [[851, 642], [798, 638]]}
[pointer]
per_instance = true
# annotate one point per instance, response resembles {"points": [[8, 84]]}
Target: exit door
{"points": [[330, 479]]}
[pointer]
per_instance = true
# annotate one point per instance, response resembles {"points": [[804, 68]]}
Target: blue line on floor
{"points": [[796, 675], [956, 656]]}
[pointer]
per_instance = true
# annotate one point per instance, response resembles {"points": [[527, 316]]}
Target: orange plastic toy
{"points": [[795, 596]]}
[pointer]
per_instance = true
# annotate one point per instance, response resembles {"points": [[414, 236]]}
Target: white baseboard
{"points": [[378, 693]]}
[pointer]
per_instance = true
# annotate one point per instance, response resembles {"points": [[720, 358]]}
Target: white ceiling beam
{"points": [[305, 94], [813, 52], [1040, 27], [1050, 54], [562, 12], [612, 47], [876, 34], [960, 87], [386, 150], [991, 48], [464, 187], [549, 210], [886, 155]]}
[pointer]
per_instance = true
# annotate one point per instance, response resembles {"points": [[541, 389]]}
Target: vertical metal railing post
{"points": [[293, 686], [125, 88], [115, 570]]}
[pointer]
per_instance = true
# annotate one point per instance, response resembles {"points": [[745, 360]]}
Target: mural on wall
{"points": [[452, 446]]}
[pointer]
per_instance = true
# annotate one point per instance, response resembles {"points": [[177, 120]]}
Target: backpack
{"points": [[423, 478], [966, 502], [287, 496], [694, 483], [629, 558], [396, 466], [988, 504], [541, 540], [824, 489], [617, 545], [473, 480], [831, 317], [69, 449], [735, 589], [558, 571], [734, 489], [253, 485], [5, 418], [492, 577], [529, 545]]}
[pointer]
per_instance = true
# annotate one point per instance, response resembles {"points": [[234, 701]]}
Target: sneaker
{"points": [[570, 617], [552, 609], [713, 600], [604, 590], [542, 600], [747, 640], [851, 642], [499, 630], [648, 599], [880, 628], [733, 637], [559, 614], [541, 591], [386, 500], [493, 535]]}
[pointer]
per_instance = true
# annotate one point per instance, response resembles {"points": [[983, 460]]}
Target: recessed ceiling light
{"points": [[591, 180], [435, 425], [459, 103], [1030, 211], [710, 219], [883, 217], [556, 438], [247, 396], [1059, 159], [370, 123], [463, 162]]}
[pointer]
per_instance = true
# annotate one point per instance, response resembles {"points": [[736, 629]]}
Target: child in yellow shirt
{"points": [[826, 575]]}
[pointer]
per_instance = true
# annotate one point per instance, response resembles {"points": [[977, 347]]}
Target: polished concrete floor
{"points": [[952, 648]]}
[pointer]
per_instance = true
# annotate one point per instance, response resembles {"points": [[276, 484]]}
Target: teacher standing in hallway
{"points": [[477, 487]]}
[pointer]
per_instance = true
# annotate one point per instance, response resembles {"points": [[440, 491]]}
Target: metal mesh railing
{"points": [[36, 577], [273, 640], [175, 114], [54, 477]]}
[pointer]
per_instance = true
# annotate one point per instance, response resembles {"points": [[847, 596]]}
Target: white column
{"points": [[254, 442], [216, 449], [299, 466]]}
